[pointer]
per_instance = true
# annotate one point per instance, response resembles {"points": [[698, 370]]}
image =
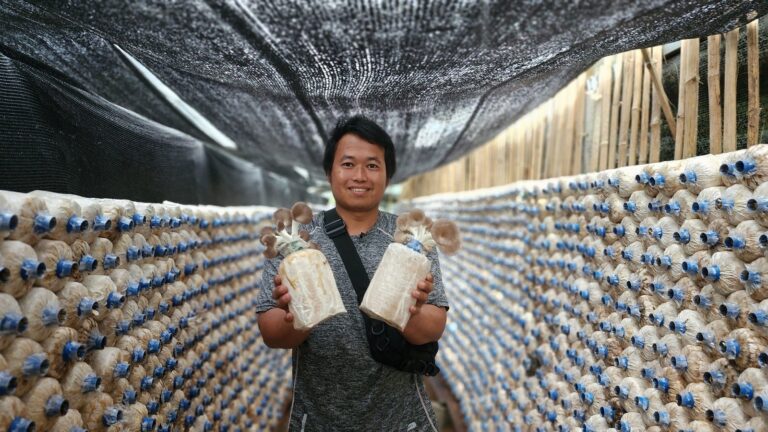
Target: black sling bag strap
{"points": [[386, 344]]}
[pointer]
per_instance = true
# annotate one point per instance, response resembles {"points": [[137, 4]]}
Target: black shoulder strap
{"points": [[337, 231]]}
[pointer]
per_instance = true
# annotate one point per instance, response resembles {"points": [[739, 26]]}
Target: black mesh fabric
{"points": [[442, 76], [60, 138]]}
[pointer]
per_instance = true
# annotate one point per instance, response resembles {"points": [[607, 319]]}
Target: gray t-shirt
{"points": [[338, 385]]}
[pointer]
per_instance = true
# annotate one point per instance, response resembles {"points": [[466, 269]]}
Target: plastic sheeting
{"points": [[273, 76]]}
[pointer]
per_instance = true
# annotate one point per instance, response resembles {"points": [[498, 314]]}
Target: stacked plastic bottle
{"points": [[116, 315], [629, 300]]}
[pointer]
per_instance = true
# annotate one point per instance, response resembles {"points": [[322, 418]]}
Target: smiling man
{"points": [[338, 386]]}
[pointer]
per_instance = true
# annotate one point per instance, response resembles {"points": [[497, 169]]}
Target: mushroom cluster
{"points": [[417, 231], [287, 237]]}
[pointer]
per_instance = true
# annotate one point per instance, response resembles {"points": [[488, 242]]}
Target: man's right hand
{"points": [[280, 294], [276, 324]]}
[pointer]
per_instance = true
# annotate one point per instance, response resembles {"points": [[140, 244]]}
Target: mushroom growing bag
{"points": [[404, 264], [304, 269]]}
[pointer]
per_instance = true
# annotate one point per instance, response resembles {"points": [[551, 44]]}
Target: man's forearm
{"points": [[426, 326], [277, 333]]}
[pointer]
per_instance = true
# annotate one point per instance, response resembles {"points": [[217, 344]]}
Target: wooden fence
{"points": [[612, 115]]}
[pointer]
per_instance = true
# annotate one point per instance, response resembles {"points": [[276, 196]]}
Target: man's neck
{"points": [[358, 222]]}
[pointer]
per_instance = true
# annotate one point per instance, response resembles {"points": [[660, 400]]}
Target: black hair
{"points": [[366, 129]]}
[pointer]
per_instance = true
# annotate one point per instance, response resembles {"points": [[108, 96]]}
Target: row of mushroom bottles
{"points": [[119, 315], [632, 299]]}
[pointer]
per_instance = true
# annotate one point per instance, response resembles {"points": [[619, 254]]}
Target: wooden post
{"points": [[753, 84], [549, 140], [565, 144], [541, 125], [715, 102], [606, 78], [503, 158], [615, 104], [690, 137], [729, 90], [520, 158], [578, 131], [596, 99], [645, 110], [659, 99], [530, 149], [680, 131], [654, 67], [627, 94], [637, 92]]}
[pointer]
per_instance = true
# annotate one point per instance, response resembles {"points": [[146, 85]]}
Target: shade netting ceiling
{"points": [[230, 101]]}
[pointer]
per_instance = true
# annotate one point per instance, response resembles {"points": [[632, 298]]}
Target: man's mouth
{"points": [[359, 191]]}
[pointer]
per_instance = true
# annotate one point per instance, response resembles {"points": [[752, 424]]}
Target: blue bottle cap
{"points": [[31, 269], [111, 416], [43, 223], [685, 399], [102, 223], [35, 365], [8, 383], [56, 406], [90, 383], [21, 424], [731, 348], [8, 221], [125, 224], [110, 261], [121, 370], [73, 351], [88, 263]]}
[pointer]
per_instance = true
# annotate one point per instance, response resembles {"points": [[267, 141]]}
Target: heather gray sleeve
{"points": [[437, 296], [264, 300]]}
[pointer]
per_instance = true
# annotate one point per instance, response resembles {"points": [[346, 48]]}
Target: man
{"points": [[338, 386]]}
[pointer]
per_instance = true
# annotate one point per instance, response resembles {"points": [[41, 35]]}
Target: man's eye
{"points": [[373, 166], [346, 164]]}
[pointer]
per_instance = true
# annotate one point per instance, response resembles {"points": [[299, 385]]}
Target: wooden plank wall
{"points": [[613, 115]]}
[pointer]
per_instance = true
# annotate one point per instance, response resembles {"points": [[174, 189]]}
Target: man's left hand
{"points": [[421, 294]]}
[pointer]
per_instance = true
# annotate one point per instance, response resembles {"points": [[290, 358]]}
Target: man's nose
{"points": [[360, 174]]}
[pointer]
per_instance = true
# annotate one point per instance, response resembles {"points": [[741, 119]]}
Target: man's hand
{"points": [[276, 324], [421, 294], [427, 321], [280, 294]]}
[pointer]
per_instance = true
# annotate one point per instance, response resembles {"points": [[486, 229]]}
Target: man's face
{"points": [[358, 176]]}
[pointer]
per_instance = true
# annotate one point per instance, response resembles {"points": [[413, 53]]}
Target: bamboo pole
{"points": [[659, 99], [654, 67], [562, 156], [753, 84], [606, 77], [715, 102], [549, 141], [596, 99], [627, 94], [680, 131], [690, 137], [566, 143], [578, 131], [528, 143], [637, 93], [615, 104], [519, 154], [502, 159], [488, 165], [645, 113], [729, 90], [540, 142]]}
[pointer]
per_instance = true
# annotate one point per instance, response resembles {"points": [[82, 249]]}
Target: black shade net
{"points": [[77, 115]]}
